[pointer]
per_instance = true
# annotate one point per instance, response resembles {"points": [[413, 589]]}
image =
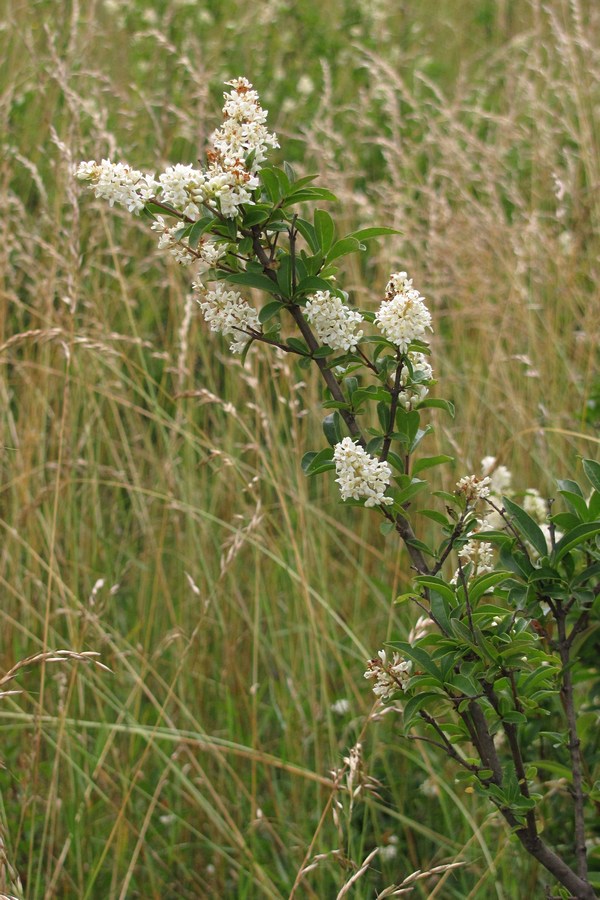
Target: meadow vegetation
{"points": [[152, 504]]}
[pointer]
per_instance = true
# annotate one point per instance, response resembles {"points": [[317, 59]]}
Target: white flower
{"points": [[169, 240], [238, 149], [334, 322], [227, 312], [211, 252], [388, 676], [473, 488], [500, 477], [421, 627], [183, 188], [340, 707], [415, 386], [403, 316], [118, 183], [480, 554], [535, 505], [361, 475], [243, 131]]}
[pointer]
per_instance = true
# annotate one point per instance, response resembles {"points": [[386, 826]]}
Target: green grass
{"points": [[239, 600]]}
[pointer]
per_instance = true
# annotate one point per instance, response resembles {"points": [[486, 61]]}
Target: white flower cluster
{"points": [[225, 185], [118, 183], [480, 554], [415, 386], [227, 312], [403, 316], [500, 477], [536, 506], [169, 240], [421, 628], [361, 475], [473, 488], [187, 189], [243, 132], [388, 676], [334, 322]]}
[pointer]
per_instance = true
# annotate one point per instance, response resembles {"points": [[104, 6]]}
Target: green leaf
{"points": [[566, 484], [434, 515], [440, 608], [438, 585], [297, 183], [465, 685], [305, 194], [428, 462], [565, 520], [271, 184], [415, 487], [285, 186], [577, 504], [269, 310], [298, 345], [514, 717], [311, 284], [366, 234], [198, 229], [284, 275], [252, 279], [421, 433], [324, 230], [479, 586], [420, 545], [314, 463], [332, 428], [527, 526], [592, 470], [343, 248], [594, 505], [574, 538], [413, 706], [420, 657], [435, 403], [257, 215], [383, 414], [309, 234]]}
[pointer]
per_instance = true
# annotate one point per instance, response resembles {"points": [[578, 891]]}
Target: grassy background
{"points": [[152, 505]]}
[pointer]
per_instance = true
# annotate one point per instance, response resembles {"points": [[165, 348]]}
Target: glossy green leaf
{"points": [[308, 232], [428, 462], [592, 471], [252, 279], [436, 403], [343, 248], [366, 234], [311, 284], [269, 310], [332, 428], [575, 538], [526, 526], [324, 230]]}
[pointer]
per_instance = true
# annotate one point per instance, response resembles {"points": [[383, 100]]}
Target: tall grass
{"points": [[152, 503]]}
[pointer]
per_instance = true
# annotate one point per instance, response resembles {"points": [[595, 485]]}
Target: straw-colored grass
{"points": [[152, 503]]}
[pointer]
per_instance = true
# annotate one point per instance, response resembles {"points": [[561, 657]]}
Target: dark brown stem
{"points": [[483, 740], [510, 731], [574, 745], [444, 743], [402, 525], [456, 533], [395, 392]]}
